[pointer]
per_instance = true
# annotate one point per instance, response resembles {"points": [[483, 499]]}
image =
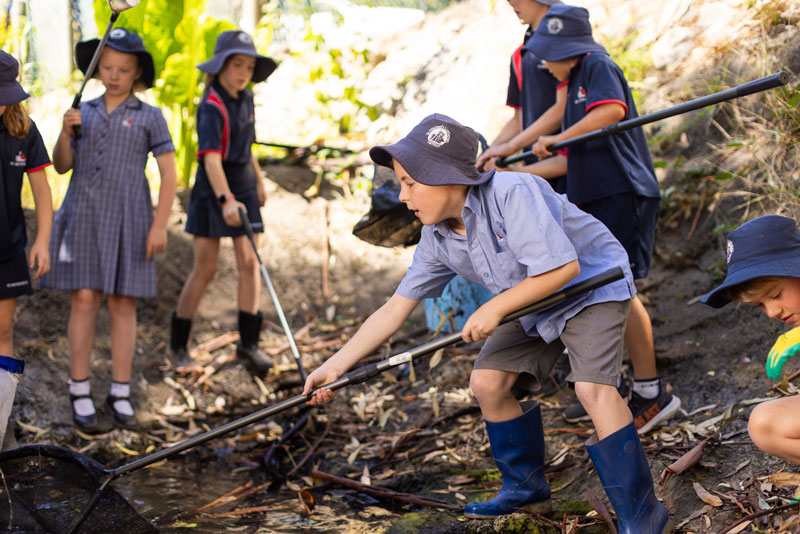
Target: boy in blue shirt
{"points": [[763, 259], [611, 178], [511, 233]]}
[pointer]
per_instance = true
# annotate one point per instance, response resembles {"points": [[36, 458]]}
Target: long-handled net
{"points": [[49, 489]]}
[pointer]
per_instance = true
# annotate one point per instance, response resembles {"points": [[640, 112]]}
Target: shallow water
{"points": [[168, 496]]}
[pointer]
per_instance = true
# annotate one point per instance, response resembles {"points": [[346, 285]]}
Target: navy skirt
{"points": [[204, 217]]}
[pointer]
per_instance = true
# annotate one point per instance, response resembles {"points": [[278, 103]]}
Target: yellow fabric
{"points": [[785, 347]]}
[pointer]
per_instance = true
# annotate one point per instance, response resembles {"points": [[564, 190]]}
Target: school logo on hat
{"points": [[730, 251], [117, 33], [555, 25], [438, 136], [243, 37]]}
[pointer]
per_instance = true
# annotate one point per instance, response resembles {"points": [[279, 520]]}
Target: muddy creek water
{"points": [[169, 495]]}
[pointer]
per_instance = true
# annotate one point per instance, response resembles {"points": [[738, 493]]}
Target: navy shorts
{"points": [[15, 279], [204, 216], [632, 219]]}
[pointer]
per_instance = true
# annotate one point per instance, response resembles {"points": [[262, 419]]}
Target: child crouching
{"points": [[511, 233]]}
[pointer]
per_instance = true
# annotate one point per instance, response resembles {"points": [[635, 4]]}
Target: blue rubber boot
{"points": [[623, 469], [518, 451]]}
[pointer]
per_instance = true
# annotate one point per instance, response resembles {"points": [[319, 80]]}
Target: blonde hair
{"points": [[17, 120], [752, 290]]}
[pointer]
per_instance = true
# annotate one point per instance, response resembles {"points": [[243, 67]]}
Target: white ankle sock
{"points": [[649, 389], [119, 389], [83, 407]]}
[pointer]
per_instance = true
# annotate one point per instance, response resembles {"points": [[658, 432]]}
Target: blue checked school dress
{"points": [[99, 238]]}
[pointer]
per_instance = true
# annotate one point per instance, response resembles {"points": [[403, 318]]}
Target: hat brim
{"points": [[551, 48], [425, 169], [84, 51], [12, 94], [264, 65], [784, 268]]}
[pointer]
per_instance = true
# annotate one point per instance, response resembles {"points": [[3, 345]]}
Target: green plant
{"points": [[178, 35]]}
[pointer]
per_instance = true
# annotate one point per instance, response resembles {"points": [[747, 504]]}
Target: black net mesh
{"points": [[389, 223], [45, 488]]}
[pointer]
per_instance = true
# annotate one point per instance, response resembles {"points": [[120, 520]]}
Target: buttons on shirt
{"points": [[474, 245], [486, 275]]}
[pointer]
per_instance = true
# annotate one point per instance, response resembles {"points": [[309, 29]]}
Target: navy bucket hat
{"points": [[564, 32], [237, 42], [437, 151], [11, 92], [120, 40], [766, 246]]}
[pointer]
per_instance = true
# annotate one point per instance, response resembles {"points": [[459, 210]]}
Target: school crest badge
{"points": [[729, 252], [555, 25], [117, 33], [438, 136], [243, 37], [19, 160]]}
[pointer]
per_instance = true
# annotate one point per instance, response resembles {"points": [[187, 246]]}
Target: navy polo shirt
{"points": [[17, 156], [611, 165], [226, 125], [531, 87]]}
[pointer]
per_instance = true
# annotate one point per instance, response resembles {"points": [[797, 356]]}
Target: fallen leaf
{"points": [[705, 496], [436, 358], [783, 478]]}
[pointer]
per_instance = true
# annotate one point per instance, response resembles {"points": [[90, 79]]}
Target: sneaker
{"points": [[576, 413], [651, 413]]}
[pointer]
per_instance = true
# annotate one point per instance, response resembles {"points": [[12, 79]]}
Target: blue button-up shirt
{"points": [[518, 227]]}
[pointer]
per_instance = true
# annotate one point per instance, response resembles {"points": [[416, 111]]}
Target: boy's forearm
{"points": [[547, 168], [509, 130], [547, 123], [534, 288], [378, 327], [598, 117]]}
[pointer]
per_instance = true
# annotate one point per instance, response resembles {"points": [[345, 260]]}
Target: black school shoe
{"points": [[651, 413], [87, 423], [576, 413], [124, 420]]}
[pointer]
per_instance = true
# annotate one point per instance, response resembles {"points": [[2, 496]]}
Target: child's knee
{"points": [[591, 394], [487, 386], [205, 270], [760, 426], [86, 301]]}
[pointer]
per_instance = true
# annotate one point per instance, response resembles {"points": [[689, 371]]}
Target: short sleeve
{"points": [[514, 96], [603, 83], [209, 129], [427, 276], [534, 232], [158, 133], [36, 153]]}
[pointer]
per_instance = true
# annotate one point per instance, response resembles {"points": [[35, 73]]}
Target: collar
{"points": [[131, 102], [225, 95], [473, 202]]}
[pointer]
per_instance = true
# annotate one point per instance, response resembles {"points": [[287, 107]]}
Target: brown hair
{"points": [[752, 290], [208, 79], [17, 120]]}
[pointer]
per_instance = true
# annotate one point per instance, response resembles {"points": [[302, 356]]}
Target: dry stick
{"points": [[243, 511], [760, 514], [384, 492], [213, 344], [791, 377], [218, 499], [314, 447]]}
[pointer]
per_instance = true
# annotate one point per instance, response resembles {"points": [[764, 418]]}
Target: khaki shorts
{"points": [[594, 339]]}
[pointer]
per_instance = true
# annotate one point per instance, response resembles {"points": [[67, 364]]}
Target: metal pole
{"points": [[749, 88]]}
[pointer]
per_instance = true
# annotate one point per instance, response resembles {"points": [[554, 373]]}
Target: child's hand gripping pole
{"points": [[784, 348], [249, 231]]}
